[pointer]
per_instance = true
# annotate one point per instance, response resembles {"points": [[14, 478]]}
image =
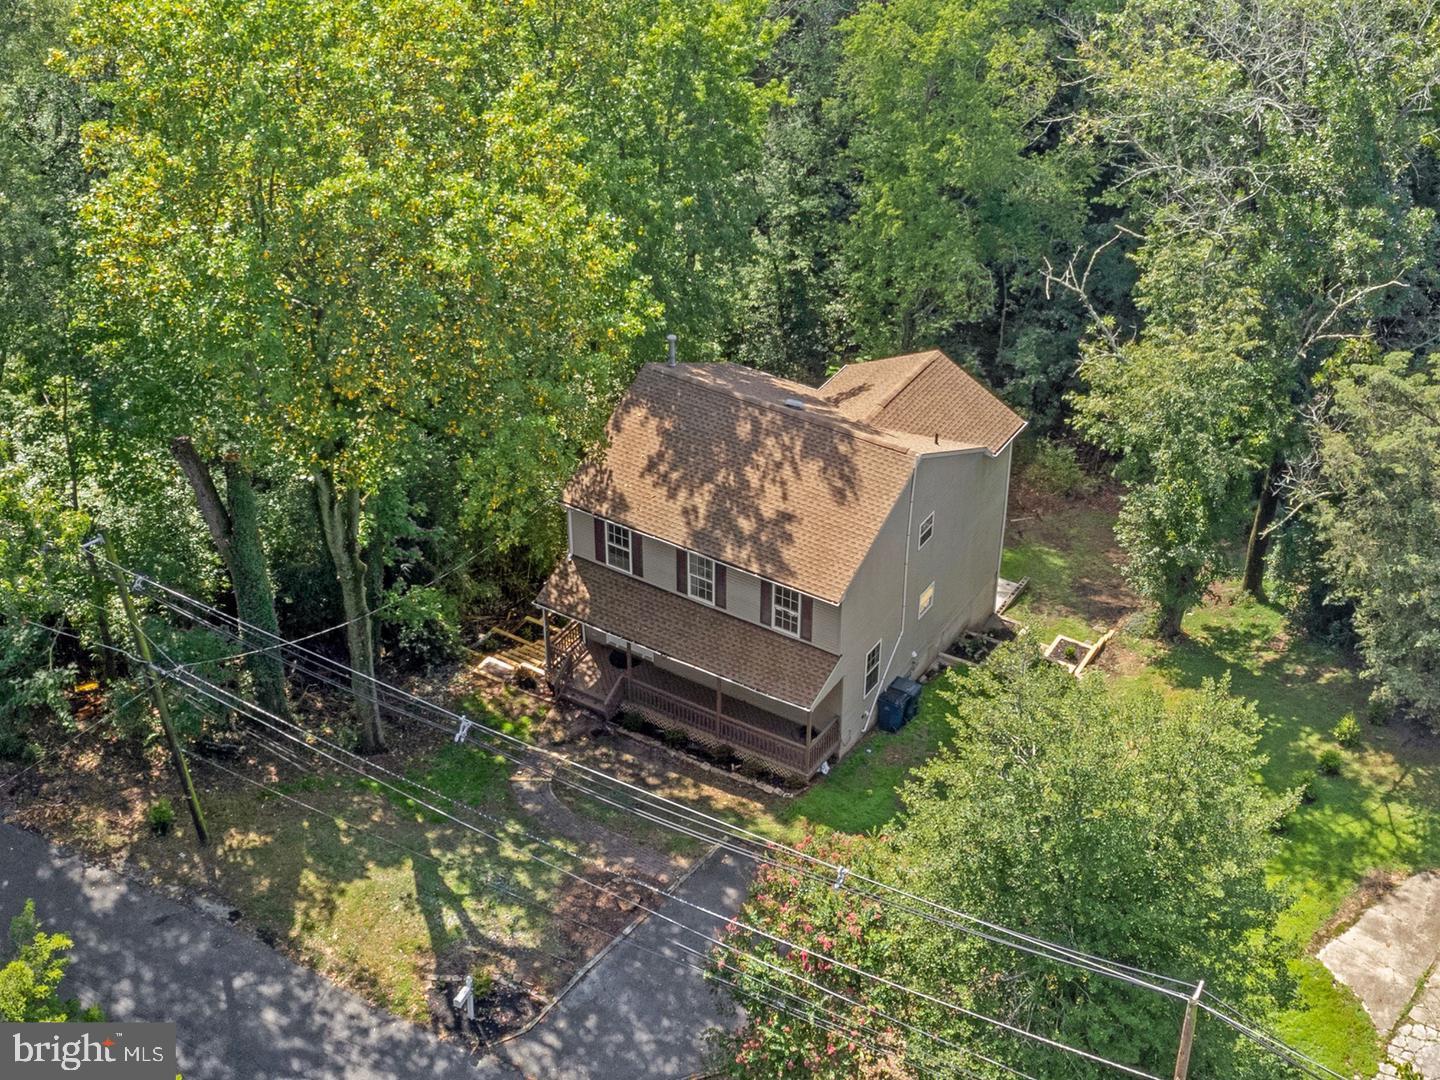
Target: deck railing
{"points": [[716, 730], [565, 647], [668, 709]]}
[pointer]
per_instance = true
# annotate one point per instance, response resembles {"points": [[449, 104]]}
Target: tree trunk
{"points": [[235, 531], [375, 580], [1168, 619], [1254, 580], [1172, 609], [97, 585], [340, 522], [254, 596]]}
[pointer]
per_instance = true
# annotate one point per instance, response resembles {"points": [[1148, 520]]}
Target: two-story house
{"points": [[752, 560]]}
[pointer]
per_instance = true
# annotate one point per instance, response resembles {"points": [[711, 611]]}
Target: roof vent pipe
{"points": [[670, 349]]}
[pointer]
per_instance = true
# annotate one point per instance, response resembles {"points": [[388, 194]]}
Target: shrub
{"points": [[421, 625], [161, 816], [1347, 731], [32, 692], [1330, 760], [1377, 711], [1305, 786], [1053, 469]]}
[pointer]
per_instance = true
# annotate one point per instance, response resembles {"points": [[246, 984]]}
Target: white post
{"points": [[465, 999]]}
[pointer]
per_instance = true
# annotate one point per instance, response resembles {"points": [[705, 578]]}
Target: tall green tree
{"points": [[1189, 408], [335, 231], [1380, 472], [1119, 824], [950, 104], [1294, 136], [793, 321], [667, 100]]}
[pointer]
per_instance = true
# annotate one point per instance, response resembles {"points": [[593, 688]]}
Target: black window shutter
{"points": [[807, 617], [765, 602], [719, 585], [600, 540], [637, 553], [682, 568]]}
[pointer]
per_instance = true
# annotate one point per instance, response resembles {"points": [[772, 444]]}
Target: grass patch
{"points": [[861, 793], [369, 892], [1380, 813]]}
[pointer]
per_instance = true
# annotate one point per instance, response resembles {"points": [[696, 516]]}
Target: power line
{"points": [[309, 739], [1044, 949], [834, 1022], [454, 568], [934, 912]]}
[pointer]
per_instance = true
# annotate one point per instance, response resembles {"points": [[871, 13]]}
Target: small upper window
{"points": [[872, 668], [926, 599], [617, 546], [927, 529], [702, 577], [785, 610]]}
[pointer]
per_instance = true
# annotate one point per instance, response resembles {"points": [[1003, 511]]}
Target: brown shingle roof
{"points": [[692, 633], [926, 394], [708, 457]]}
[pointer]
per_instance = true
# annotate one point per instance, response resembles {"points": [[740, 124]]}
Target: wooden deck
{"points": [[584, 674]]}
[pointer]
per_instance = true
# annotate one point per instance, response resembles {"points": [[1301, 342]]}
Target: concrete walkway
{"points": [[243, 1011], [1386, 957], [641, 1013]]}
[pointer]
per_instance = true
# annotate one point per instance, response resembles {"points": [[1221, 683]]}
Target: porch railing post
{"points": [[719, 701], [545, 634]]}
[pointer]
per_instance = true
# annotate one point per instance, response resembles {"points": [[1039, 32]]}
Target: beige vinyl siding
{"points": [[966, 493]]}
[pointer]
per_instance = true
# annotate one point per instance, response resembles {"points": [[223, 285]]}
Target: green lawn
{"points": [[1382, 812], [860, 794], [373, 889]]}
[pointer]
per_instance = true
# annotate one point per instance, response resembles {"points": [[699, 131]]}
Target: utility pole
{"points": [[1187, 1033], [157, 688]]}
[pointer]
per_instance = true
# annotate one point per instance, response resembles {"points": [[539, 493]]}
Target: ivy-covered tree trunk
{"points": [[254, 595], [340, 522], [234, 526], [1254, 582]]}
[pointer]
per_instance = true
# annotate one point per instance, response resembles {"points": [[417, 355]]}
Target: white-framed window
{"points": [[927, 529], [872, 669], [785, 610], [926, 599], [701, 572], [617, 546]]}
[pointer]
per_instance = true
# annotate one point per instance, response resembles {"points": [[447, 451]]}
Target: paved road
{"points": [[244, 1012], [636, 1016]]}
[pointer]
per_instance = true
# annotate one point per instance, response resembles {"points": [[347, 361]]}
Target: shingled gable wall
{"points": [[742, 589]]}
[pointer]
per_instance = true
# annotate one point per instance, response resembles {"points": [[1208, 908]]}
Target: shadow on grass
{"points": [[373, 889]]}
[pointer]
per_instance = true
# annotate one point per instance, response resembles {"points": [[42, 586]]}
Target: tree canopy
{"points": [[1053, 806]]}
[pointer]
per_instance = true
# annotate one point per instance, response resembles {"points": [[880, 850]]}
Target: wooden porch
{"points": [[584, 674]]}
